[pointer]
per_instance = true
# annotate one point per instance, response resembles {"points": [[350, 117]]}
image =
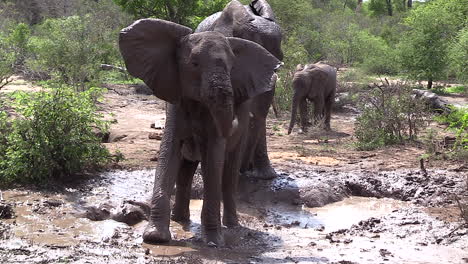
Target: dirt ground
{"points": [[330, 204]]}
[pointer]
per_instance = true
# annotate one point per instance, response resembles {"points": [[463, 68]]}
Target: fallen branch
{"points": [[434, 102]]}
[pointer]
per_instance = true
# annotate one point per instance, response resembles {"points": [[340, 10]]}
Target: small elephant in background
{"points": [[209, 80], [316, 83]]}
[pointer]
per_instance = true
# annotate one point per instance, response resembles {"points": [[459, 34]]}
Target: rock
{"points": [[6, 210], [53, 203], [154, 135], [116, 137]]}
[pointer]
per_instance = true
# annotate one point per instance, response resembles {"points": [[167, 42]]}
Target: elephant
{"points": [[209, 81], [255, 22], [317, 83]]}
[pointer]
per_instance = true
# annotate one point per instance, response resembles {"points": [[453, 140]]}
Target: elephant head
{"points": [[255, 22], [217, 71]]}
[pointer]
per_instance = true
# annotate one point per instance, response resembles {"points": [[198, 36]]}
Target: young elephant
{"points": [[208, 79], [317, 83]]}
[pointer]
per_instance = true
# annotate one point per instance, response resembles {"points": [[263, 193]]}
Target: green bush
{"points": [[7, 60], [71, 50], [389, 115], [379, 57], [423, 49], [53, 137], [457, 120], [18, 41], [458, 56]]}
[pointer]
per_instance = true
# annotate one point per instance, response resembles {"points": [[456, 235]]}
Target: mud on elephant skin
{"points": [[209, 80], [315, 83], [255, 22]]}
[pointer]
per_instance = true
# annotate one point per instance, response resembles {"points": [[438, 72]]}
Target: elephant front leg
{"points": [[229, 184], [181, 210], [157, 230], [212, 170]]}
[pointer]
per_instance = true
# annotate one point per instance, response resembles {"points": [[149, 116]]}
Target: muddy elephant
{"points": [[255, 22], [316, 83], [208, 80]]}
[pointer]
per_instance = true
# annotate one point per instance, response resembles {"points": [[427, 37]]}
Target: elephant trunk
{"points": [[219, 99], [295, 103]]}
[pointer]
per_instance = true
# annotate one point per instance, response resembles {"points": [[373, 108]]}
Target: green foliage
{"points": [[294, 54], [378, 56], [457, 120], [7, 60], [189, 13], [458, 56], [54, 136], [18, 40], [71, 50], [389, 115], [423, 50]]}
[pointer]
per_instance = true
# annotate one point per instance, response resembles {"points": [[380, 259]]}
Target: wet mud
{"points": [[330, 203], [306, 215]]}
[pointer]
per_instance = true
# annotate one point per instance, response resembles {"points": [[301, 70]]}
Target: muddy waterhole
{"points": [[277, 224]]}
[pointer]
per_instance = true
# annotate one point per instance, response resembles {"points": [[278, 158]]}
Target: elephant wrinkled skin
{"points": [[317, 83], [209, 80], [255, 22]]}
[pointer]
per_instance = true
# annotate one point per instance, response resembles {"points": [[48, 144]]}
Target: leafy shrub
{"points": [[389, 115], [458, 56], [71, 49], [7, 60], [18, 40], [380, 58], [54, 136], [457, 120]]}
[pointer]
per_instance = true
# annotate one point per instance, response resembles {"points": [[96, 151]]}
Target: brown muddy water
{"points": [[277, 226]]}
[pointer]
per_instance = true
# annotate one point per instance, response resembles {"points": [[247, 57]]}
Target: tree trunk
{"points": [[359, 5], [429, 83], [389, 7], [410, 3]]}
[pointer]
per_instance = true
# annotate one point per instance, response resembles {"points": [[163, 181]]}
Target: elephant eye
{"points": [[194, 64]]}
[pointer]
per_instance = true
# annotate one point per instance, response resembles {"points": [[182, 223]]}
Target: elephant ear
{"points": [[149, 48], [253, 69], [263, 9], [233, 18]]}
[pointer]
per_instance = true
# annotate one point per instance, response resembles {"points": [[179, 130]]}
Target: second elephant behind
{"points": [[315, 83]]}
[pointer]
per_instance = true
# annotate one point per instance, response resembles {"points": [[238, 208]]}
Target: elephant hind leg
{"points": [[328, 107], [181, 210], [304, 114]]}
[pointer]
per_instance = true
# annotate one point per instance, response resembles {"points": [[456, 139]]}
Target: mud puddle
{"points": [[277, 225]]}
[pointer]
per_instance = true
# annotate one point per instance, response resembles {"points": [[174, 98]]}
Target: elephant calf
{"points": [[317, 83]]}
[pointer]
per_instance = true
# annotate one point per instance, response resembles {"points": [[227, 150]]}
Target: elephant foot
{"points": [[156, 235], [180, 217], [213, 238], [265, 173], [231, 221]]}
